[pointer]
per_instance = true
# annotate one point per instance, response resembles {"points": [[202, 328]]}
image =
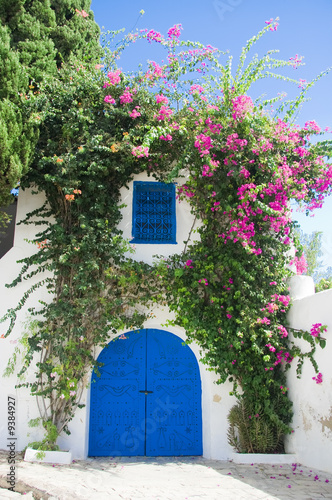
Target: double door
{"points": [[147, 400]]}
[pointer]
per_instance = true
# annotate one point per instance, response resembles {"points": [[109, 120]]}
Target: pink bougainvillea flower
{"points": [[164, 113], [296, 61], [312, 125], [283, 331], [161, 99], [196, 89], [154, 36], [134, 113], [263, 321], [242, 105], [126, 97], [204, 281], [175, 31], [140, 151], [318, 379], [109, 99], [316, 329], [114, 77]]}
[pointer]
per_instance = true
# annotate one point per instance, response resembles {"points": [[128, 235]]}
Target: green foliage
{"points": [[250, 431], [48, 442], [81, 163], [76, 38], [324, 284], [35, 39], [44, 34], [12, 78], [312, 248], [15, 138], [228, 289], [19, 360]]}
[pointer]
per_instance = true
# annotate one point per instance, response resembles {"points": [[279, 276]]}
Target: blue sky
{"points": [[305, 28]]}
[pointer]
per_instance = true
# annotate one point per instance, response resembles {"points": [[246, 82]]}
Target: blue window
{"points": [[154, 218]]}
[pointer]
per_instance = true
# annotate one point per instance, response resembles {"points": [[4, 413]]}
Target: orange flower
{"points": [[70, 197], [59, 160], [41, 244], [77, 191], [114, 149]]}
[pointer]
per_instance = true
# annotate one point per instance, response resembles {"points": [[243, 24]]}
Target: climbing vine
{"points": [[236, 162]]}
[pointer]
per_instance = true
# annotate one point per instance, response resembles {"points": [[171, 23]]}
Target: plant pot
{"points": [[263, 458], [48, 457]]}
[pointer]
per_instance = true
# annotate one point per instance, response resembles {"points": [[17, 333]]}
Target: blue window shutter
{"points": [[154, 219]]}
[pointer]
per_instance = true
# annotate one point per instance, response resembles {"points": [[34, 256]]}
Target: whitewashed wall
{"points": [[184, 223], [312, 422], [312, 439], [216, 401], [9, 297]]}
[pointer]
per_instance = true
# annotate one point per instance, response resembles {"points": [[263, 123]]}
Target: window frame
{"points": [[143, 186]]}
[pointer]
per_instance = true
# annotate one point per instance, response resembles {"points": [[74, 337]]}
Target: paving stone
{"points": [[164, 478]]}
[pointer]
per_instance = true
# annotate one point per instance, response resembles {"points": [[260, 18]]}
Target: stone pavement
{"points": [[174, 478]]}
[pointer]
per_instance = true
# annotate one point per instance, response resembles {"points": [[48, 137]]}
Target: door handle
{"points": [[146, 392]]}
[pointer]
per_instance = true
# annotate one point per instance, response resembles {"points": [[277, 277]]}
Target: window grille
{"points": [[154, 218]]}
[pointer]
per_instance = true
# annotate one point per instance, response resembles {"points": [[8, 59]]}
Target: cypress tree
{"points": [[15, 145], [36, 38]]}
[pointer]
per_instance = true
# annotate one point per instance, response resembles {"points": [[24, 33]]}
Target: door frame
{"points": [[197, 370]]}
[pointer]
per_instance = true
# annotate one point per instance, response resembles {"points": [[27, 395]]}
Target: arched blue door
{"points": [[147, 400]]}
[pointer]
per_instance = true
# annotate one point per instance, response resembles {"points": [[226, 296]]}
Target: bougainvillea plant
{"points": [[237, 165]]}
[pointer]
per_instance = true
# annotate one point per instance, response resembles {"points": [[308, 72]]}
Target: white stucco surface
{"points": [[9, 268], [312, 439], [312, 422], [184, 223], [216, 401]]}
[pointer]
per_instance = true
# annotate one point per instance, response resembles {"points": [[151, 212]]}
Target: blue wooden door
{"points": [[147, 400]]}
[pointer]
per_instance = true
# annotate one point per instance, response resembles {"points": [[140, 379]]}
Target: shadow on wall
{"points": [[7, 234]]}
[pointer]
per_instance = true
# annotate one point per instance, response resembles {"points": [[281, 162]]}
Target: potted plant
{"points": [[255, 436], [46, 450]]}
